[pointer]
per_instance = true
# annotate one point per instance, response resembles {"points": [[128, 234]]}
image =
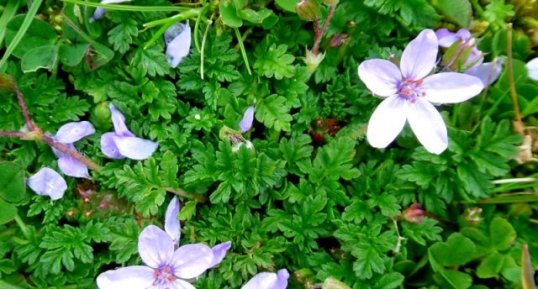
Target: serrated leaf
{"points": [[274, 112]]}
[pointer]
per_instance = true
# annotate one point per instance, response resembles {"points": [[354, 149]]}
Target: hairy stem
{"points": [[74, 154], [24, 108], [17, 134], [318, 33], [518, 122]]}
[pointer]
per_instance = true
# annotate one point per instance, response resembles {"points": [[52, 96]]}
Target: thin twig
{"points": [[519, 126], [24, 109], [72, 153], [12, 134], [319, 33]]}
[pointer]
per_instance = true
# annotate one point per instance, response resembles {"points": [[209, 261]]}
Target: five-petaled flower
{"points": [[267, 280], [47, 182], [68, 134], [122, 143], [410, 92], [168, 265], [178, 43]]}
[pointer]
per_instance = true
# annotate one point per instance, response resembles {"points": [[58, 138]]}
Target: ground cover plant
{"points": [[263, 144]]}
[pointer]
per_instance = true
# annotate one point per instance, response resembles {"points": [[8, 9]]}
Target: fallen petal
{"points": [[133, 277], [419, 57], [192, 260], [118, 120], [451, 87], [74, 131], [264, 280], [428, 125], [109, 147], [72, 167], [380, 76], [282, 279], [248, 117], [178, 43], [171, 221], [47, 182], [219, 252], [386, 122], [155, 247], [134, 147]]}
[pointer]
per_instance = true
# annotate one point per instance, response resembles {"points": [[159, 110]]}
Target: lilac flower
{"points": [[246, 122], [268, 280], [487, 72], [47, 182], [122, 143], [532, 68], [100, 12], [178, 43], [68, 134], [167, 264], [410, 92]]}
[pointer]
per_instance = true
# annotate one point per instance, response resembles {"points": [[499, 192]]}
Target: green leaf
{"points": [[12, 186], [72, 54], [151, 61], [502, 234], [7, 212], [229, 14], [390, 281], [287, 5], [457, 250], [274, 112], [40, 57], [490, 266], [121, 36], [334, 161], [458, 11], [40, 33], [273, 61], [458, 280]]}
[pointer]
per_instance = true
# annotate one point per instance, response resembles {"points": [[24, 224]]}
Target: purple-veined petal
{"points": [[134, 147], [428, 125], [74, 131], [178, 43], [155, 247], [419, 57], [451, 87], [446, 37], [180, 284], [118, 120], [282, 279], [133, 277], [487, 72], [191, 260], [219, 252], [532, 68], [248, 117], [386, 122], [171, 221], [380, 76], [109, 147], [47, 182], [72, 167], [264, 280]]}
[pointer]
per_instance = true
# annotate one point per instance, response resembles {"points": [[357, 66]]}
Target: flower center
{"points": [[164, 276], [410, 89]]}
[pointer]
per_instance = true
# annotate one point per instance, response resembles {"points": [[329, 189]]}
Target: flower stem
{"points": [[17, 134], [24, 108], [318, 33], [183, 193], [22, 226], [74, 154], [518, 122]]}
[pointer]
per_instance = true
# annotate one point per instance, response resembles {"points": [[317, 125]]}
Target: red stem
{"points": [[24, 109], [318, 34], [17, 134], [74, 154]]}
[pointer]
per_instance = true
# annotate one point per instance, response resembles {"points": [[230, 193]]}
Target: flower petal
{"points": [[446, 37], [248, 117], [386, 122], [380, 76], [418, 58], [118, 120], [171, 221], [97, 14], [180, 284], [219, 252], [282, 279], [134, 147], [109, 147], [428, 125], [72, 167], [133, 277], [191, 260], [47, 182], [74, 131], [178, 43], [487, 72], [451, 87], [532, 67], [155, 247], [264, 280]]}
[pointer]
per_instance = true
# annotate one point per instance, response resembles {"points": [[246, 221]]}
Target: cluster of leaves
{"points": [[311, 196]]}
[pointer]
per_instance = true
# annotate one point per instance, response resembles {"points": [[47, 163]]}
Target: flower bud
{"points": [[308, 10], [414, 214], [312, 60], [331, 283], [7, 83]]}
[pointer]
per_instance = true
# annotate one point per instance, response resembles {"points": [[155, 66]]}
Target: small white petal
{"points": [[451, 87], [532, 67], [428, 125], [155, 247], [47, 182], [134, 147], [72, 167], [133, 277], [118, 120], [191, 260], [178, 43], [386, 122], [74, 131], [264, 280], [171, 221], [420, 55], [380, 76]]}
